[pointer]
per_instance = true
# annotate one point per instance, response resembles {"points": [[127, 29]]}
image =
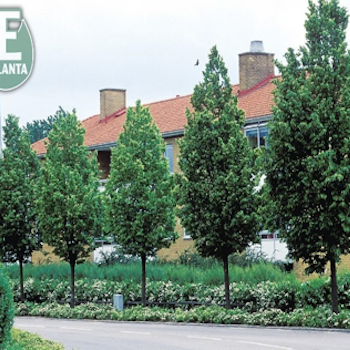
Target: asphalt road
{"points": [[96, 335]]}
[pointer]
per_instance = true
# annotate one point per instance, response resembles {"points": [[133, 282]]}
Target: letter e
{"points": [[5, 34]]}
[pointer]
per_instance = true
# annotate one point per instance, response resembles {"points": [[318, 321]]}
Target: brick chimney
{"points": [[255, 66], [111, 101]]}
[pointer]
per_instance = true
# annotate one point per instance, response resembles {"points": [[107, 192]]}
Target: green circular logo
{"points": [[16, 50]]}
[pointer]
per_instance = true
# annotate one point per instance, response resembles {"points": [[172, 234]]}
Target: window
{"points": [[169, 154], [186, 235], [268, 235], [263, 133], [257, 135], [252, 135]]}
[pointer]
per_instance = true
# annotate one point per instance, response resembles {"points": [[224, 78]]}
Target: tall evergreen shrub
{"points": [[6, 309]]}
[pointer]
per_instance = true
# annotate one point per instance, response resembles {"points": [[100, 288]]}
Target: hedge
{"points": [[285, 296], [320, 317], [6, 309]]}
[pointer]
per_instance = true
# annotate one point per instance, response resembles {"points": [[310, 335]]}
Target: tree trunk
{"points": [[21, 279], [334, 284], [72, 284], [227, 283], [143, 261]]}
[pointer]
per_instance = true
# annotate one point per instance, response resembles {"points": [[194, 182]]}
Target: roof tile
{"points": [[169, 115]]}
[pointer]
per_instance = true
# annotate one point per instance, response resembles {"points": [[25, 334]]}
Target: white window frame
{"points": [[269, 234], [256, 127]]}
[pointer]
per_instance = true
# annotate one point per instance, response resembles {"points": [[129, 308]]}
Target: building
{"points": [[254, 91]]}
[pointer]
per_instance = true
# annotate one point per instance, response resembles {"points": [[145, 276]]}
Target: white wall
{"points": [[273, 248], [105, 248]]}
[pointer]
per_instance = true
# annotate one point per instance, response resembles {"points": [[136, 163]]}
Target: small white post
{"points": [[118, 302]]}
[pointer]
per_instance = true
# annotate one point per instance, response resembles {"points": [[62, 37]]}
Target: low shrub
{"points": [[285, 296], [22, 340], [190, 257], [315, 292], [309, 317], [6, 309]]}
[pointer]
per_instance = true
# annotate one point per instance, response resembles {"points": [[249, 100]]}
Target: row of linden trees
{"points": [[138, 206], [306, 195]]}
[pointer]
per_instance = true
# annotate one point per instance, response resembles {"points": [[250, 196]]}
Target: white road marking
{"points": [[265, 345], [27, 325], [141, 333], [77, 329], [203, 338]]}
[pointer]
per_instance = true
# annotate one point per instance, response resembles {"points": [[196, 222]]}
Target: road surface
{"points": [[104, 335]]}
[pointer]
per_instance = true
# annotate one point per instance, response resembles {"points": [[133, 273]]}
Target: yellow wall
{"points": [[182, 243], [299, 268], [178, 247], [46, 256]]}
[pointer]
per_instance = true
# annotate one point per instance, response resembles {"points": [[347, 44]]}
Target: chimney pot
{"points": [[256, 46]]}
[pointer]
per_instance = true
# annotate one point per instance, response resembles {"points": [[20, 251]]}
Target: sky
{"points": [[148, 47]]}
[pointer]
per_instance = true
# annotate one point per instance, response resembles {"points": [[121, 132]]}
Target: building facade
{"points": [[255, 98]]}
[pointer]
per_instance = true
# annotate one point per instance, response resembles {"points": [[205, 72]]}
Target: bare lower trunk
{"points": [[21, 279], [334, 284], [227, 283], [72, 283], [143, 261]]}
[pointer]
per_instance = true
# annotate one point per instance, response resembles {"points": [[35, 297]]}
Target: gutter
{"points": [[108, 145], [258, 120], [175, 133], [102, 146]]}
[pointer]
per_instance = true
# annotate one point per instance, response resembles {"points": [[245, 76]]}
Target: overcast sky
{"points": [[146, 47]]}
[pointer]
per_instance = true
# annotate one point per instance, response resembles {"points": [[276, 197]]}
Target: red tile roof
{"points": [[169, 115]]}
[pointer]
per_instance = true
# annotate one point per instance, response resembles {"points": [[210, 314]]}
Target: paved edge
{"points": [[213, 325]]}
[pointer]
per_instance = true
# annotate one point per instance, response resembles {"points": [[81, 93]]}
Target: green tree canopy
{"points": [[18, 172], [140, 201], [39, 129], [216, 192], [308, 170], [69, 201]]}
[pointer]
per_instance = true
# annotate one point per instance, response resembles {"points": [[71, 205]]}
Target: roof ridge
{"points": [[257, 86], [177, 97]]}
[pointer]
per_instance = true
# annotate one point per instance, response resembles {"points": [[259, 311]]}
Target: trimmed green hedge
{"points": [[286, 296], [6, 309], [320, 317]]}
